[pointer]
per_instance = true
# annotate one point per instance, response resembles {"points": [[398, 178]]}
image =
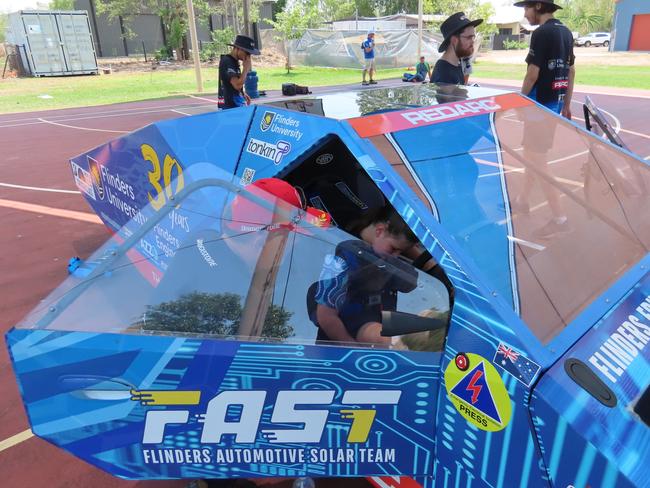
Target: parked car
{"points": [[594, 39]]}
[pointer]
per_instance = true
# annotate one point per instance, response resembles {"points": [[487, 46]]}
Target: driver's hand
{"points": [[248, 63], [247, 98]]}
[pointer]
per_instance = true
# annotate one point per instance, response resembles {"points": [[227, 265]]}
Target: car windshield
{"points": [[551, 216], [224, 261]]}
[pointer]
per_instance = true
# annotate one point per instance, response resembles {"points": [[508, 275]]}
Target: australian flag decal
{"points": [[522, 368]]}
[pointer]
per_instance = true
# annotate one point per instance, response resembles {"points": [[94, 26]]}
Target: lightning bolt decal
{"points": [[473, 387]]}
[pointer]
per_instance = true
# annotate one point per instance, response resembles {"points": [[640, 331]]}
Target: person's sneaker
{"points": [[364, 83], [373, 82], [551, 229]]}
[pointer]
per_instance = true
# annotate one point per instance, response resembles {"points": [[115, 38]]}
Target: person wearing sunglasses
{"points": [[459, 33]]}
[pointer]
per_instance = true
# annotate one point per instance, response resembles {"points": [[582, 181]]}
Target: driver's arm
{"points": [[416, 252], [329, 320]]}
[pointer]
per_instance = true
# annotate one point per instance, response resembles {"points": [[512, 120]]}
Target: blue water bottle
{"points": [[251, 84]]}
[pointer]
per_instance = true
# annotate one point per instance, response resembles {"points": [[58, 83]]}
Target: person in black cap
{"points": [[231, 77], [459, 34], [551, 69]]}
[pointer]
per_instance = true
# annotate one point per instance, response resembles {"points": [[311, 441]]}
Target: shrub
{"points": [[210, 51], [512, 44]]}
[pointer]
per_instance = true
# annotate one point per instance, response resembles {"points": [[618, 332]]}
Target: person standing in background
{"points": [[368, 47], [231, 77], [551, 63], [459, 34]]}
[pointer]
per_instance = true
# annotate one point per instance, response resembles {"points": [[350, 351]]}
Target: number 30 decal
{"points": [[160, 196]]}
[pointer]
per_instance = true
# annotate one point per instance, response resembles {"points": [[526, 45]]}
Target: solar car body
{"points": [[183, 348]]}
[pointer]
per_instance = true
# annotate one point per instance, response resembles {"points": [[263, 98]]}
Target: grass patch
{"points": [[618, 76], [29, 94]]}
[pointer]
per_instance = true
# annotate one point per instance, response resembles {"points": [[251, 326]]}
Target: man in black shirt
{"points": [[459, 35], [551, 70], [231, 77]]}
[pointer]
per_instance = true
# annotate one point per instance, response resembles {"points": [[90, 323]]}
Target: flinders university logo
{"points": [[96, 175], [267, 121]]}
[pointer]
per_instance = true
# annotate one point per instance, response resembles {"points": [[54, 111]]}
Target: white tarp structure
{"points": [[342, 49]]}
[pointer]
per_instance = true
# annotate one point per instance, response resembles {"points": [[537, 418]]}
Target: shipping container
{"points": [[53, 43]]}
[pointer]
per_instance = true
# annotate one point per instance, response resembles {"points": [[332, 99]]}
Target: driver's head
{"points": [[386, 232], [248, 216]]}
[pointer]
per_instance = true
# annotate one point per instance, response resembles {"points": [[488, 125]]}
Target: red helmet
{"points": [[247, 215]]}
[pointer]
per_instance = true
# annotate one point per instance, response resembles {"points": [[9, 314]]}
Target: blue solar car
{"points": [[512, 340]]}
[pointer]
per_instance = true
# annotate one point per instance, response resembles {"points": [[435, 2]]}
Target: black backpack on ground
{"points": [[291, 89]]}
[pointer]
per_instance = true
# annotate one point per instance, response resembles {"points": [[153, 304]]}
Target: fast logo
{"points": [[475, 388], [307, 425]]}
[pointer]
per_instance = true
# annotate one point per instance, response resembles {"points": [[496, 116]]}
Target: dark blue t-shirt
{"points": [[445, 72], [551, 49], [228, 68]]}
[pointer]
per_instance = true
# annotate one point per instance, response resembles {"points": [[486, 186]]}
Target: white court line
{"points": [[523, 242], [83, 128], [95, 116], [37, 188], [202, 98], [16, 439], [179, 112], [646, 136], [114, 112], [617, 122], [513, 169]]}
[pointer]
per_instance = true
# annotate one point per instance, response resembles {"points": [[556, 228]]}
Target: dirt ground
{"points": [[590, 55]]}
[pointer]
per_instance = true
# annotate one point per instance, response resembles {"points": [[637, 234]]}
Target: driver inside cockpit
{"points": [[361, 280]]}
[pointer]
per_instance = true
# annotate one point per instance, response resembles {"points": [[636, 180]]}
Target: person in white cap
{"points": [[368, 47]]}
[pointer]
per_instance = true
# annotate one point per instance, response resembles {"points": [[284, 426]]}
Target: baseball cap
{"points": [[248, 215]]}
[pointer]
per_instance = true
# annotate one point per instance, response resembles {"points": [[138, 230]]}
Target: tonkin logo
{"points": [[267, 121], [274, 152], [95, 172]]}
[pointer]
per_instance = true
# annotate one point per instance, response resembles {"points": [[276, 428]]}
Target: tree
{"points": [[473, 8], [172, 12], [211, 313], [292, 24], [587, 15], [61, 5]]}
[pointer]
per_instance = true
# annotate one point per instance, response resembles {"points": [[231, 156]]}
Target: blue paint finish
{"points": [[572, 439]]}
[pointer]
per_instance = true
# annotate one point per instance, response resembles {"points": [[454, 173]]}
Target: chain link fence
{"points": [[342, 49]]}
